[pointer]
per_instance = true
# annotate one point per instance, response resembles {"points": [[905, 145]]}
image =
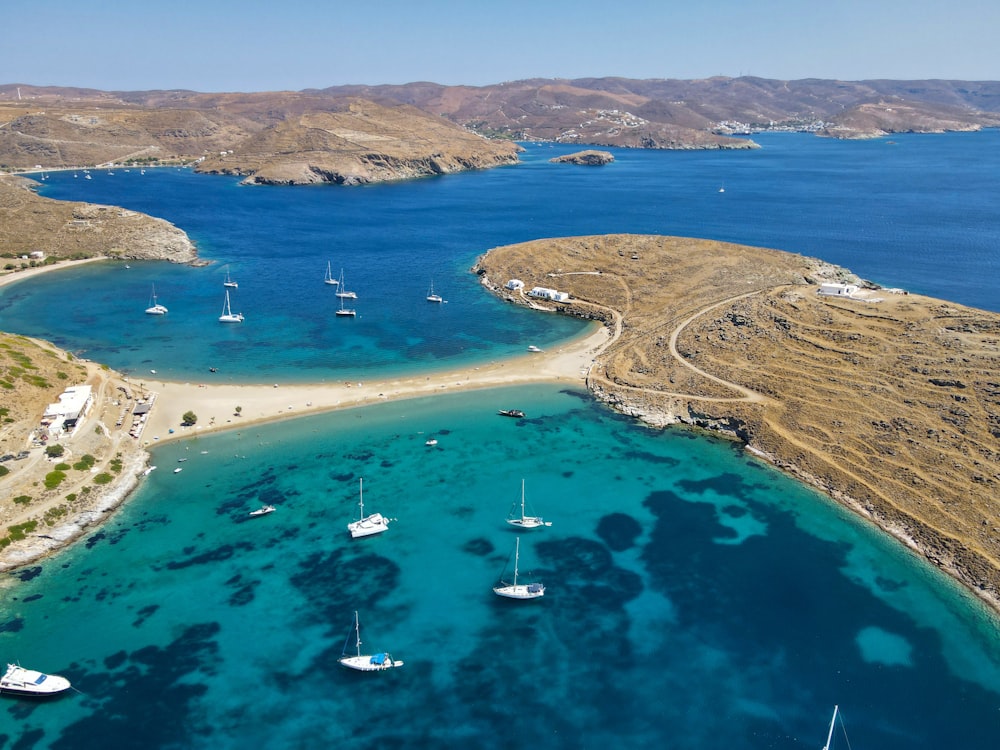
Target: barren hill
{"points": [[888, 402]]}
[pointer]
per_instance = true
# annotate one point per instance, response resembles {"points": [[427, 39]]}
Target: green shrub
{"points": [[86, 463], [22, 499], [53, 479], [62, 467], [4, 471], [54, 451], [103, 478], [21, 530]]}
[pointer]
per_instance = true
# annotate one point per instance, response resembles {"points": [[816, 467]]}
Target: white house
{"points": [[66, 413], [515, 285], [554, 295], [36, 255], [838, 290]]}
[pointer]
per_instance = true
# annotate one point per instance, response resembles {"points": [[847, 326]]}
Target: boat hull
{"points": [[365, 663], [368, 526], [29, 683], [528, 522], [520, 591]]}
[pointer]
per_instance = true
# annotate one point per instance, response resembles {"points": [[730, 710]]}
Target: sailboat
{"points": [[365, 662], [523, 521], [345, 312], [833, 721], [154, 308], [341, 291], [376, 523], [518, 590], [431, 296], [229, 281], [328, 279], [227, 314]]}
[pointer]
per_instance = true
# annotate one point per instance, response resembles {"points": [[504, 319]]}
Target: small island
{"points": [[588, 158]]}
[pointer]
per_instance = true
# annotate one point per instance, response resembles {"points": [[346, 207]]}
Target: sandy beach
{"points": [[215, 405]]}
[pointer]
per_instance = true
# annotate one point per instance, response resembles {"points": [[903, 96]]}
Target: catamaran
{"points": [[227, 314], [432, 296], [375, 523], [229, 281], [517, 590], [522, 521], [365, 662], [154, 308]]}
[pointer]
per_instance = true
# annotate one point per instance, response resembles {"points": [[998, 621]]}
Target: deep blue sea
{"points": [[695, 597]]}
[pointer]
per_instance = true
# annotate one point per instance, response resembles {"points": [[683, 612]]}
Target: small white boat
{"points": [[522, 521], [431, 442], [229, 281], [533, 348], [154, 308], [341, 291], [261, 511], [375, 523], [328, 279], [227, 314], [29, 682], [178, 470], [517, 590], [365, 662], [432, 296]]}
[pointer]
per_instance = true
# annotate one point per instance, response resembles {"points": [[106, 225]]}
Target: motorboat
{"points": [[31, 683], [516, 413], [261, 511]]}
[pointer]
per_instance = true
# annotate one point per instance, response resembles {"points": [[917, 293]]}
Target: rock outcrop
{"points": [[589, 158]]}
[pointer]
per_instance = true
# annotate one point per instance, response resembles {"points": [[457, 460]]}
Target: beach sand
{"points": [[215, 405]]}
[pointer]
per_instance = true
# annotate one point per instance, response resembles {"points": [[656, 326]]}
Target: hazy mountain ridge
{"points": [[421, 128]]}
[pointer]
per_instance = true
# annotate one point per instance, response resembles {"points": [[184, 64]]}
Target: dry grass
{"points": [[890, 406]]}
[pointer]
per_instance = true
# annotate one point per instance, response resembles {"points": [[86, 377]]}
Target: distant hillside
{"points": [[356, 134]]}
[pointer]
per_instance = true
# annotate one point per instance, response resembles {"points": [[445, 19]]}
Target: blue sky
{"points": [[257, 45]]}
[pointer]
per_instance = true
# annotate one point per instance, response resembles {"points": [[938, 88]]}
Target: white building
{"points": [[554, 295], [515, 285], [73, 405], [837, 290]]}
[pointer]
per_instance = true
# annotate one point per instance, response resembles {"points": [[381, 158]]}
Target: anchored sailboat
{"points": [[432, 296], [517, 590], [341, 291], [328, 279], [365, 662], [227, 314], [229, 281], [523, 521], [154, 308], [375, 523]]}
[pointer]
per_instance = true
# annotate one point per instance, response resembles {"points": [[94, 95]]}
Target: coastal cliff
{"points": [[887, 402], [72, 230]]}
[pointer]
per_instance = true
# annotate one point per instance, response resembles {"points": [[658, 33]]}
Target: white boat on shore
{"points": [[375, 523], [534, 349], [31, 683], [227, 313], [378, 662], [517, 590]]}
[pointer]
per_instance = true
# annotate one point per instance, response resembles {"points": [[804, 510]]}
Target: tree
{"points": [[189, 418], [239, 410], [54, 451]]}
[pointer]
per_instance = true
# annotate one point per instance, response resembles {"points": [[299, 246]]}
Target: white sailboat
{"points": [[365, 662], [227, 314], [229, 281], [432, 296], [833, 721], [345, 312], [328, 279], [517, 590], [341, 291], [375, 523], [523, 521], [154, 308]]}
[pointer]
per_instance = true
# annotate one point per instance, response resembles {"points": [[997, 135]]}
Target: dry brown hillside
{"points": [[888, 402]]}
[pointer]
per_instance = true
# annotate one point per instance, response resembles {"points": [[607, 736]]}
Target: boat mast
{"points": [[361, 492], [517, 555], [522, 499], [357, 630], [829, 736]]}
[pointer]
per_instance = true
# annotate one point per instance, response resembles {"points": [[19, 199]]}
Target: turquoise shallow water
{"points": [[695, 598]]}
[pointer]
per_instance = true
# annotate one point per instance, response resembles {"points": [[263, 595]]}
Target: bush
{"points": [[103, 478], [54, 451], [86, 463], [22, 499], [4, 471], [53, 479]]}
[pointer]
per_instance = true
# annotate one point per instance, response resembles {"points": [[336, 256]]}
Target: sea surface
{"points": [[695, 598]]}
